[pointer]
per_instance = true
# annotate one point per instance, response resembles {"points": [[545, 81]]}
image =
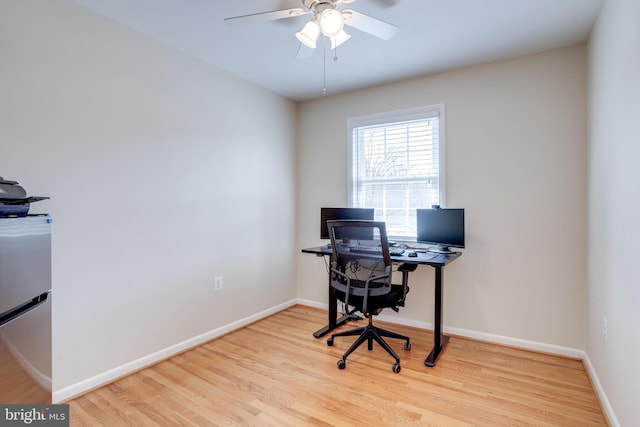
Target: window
{"points": [[396, 165]]}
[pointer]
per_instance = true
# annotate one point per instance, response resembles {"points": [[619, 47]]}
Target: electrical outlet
{"points": [[604, 327], [217, 284]]}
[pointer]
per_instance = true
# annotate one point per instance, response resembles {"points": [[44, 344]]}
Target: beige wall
{"points": [[614, 194], [516, 147], [160, 168]]}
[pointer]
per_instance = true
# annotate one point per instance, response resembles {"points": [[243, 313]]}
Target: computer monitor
{"points": [[441, 227], [327, 214]]}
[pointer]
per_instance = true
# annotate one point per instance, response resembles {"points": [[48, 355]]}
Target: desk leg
{"points": [[334, 322], [439, 340]]}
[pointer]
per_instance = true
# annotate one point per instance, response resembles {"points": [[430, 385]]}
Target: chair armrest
{"points": [[406, 269]]}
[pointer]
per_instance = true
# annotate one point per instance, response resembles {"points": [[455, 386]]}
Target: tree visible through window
{"points": [[396, 165]]}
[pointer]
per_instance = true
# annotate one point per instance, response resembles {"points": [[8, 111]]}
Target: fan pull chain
{"points": [[324, 67], [324, 64]]}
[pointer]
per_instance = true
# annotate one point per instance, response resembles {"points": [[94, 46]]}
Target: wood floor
{"points": [[274, 373]]}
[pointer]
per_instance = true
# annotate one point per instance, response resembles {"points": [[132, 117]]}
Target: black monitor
{"points": [[327, 214], [441, 227]]}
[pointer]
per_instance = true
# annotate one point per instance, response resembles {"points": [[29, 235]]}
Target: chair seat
{"points": [[393, 298]]}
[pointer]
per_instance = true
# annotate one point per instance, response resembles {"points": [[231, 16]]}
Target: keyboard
{"points": [[370, 249]]}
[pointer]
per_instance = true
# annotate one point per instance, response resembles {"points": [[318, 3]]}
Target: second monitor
{"points": [[327, 214], [441, 227]]}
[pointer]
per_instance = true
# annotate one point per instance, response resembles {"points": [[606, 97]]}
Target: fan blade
{"points": [[304, 52], [267, 16], [369, 24]]}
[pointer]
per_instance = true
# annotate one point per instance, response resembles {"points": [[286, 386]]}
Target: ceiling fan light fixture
{"points": [[331, 22], [339, 38], [309, 34]]}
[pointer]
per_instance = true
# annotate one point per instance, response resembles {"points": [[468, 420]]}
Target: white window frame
{"points": [[394, 117]]}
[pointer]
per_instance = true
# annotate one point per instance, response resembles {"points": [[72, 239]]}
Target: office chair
{"points": [[361, 277]]}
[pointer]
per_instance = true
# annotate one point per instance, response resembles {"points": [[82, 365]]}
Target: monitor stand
{"points": [[441, 250]]}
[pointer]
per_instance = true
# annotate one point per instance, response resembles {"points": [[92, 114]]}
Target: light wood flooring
{"points": [[274, 373]]}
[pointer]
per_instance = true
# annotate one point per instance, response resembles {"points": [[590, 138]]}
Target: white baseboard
{"points": [[111, 375], [518, 343], [314, 304], [606, 405]]}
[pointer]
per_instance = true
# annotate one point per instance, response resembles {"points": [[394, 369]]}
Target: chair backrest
{"points": [[360, 260]]}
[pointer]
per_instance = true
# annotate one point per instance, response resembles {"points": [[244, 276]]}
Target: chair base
{"points": [[370, 333]]}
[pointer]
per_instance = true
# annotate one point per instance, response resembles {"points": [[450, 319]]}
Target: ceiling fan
{"points": [[328, 19]]}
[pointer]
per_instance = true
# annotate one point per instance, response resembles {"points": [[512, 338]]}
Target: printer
{"points": [[13, 199]]}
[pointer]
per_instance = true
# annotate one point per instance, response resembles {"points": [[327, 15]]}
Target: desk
{"points": [[437, 261]]}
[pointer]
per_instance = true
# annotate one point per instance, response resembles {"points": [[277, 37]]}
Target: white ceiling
{"points": [[433, 36]]}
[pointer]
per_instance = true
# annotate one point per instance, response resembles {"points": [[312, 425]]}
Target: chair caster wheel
{"points": [[396, 367], [407, 346], [342, 364], [330, 342]]}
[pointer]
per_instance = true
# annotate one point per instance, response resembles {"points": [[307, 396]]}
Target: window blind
{"points": [[396, 166]]}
